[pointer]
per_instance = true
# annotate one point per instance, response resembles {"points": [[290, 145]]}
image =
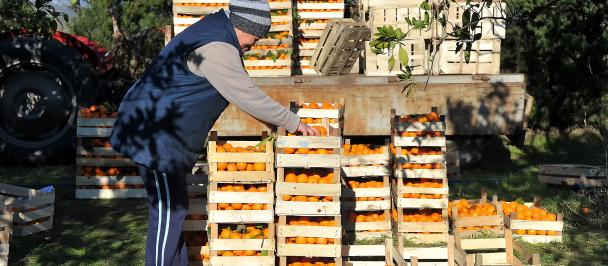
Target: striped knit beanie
{"points": [[251, 16]]}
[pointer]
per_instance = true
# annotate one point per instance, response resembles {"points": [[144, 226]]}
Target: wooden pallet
{"points": [[573, 175], [6, 223], [484, 59], [285, 249], [340, 46], [514, 224], [33, 210], [240, 216], [214, 158]]}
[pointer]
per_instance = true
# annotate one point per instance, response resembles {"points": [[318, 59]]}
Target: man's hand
{"points": [[307, 130]]}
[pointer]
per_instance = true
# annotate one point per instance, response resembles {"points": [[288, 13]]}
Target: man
{"points": [[166, 115]]}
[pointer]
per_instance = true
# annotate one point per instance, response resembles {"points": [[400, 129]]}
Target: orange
{"points": [[300, 198], [252, 189], [259, 166], [291, 177], [313, 199], [531, 232], [551, 233], [289, 150], [232, 167], [302, 151], [225, 233], [227, 253], [236, 206], [302, 178], [541, 232], [235, 235], [300, 240], [311, 240], [222, 166], [246, 207], [220, 149], [321, 241], [238, 253], [249, 167], [249, 253], [241, 166], [223, 206], [286, 197], [520, 232]]}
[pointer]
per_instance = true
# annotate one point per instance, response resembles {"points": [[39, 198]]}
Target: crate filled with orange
{"points": [[197, 244], [240, 161], [315, 237], [478, 226], [313, 113], [196, 218], [241, 202], [30, 210], [242, 244], [101, 172], [531, 222], [268, 63]]}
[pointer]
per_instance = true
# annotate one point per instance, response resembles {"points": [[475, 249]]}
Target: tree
{"points": [[36, 16], [130, 29]]}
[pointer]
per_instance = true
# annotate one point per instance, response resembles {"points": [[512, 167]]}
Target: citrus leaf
{"points": [[403, 57], [391, 63]]}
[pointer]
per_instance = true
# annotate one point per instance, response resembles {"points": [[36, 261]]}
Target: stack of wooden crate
{"points": [[101, 172], [188, 12], [421, 44], [271, 56], [366, 201], [308, 190], [313, 16], [32, 210], [241, 198], [420, 188]]}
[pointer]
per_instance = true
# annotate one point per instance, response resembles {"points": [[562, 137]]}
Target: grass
{"points": [[112, 232]]}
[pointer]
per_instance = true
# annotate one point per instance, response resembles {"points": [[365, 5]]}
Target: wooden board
{"points": [[438, 253], [573, 175], [244, 260], [363, 251], [307, 250], [366, 205], [421, 173], [359, 171], [308, 160], [422, 203], [473, 104], [382, 159], [399, 141], [307, 208], [241, 244]]}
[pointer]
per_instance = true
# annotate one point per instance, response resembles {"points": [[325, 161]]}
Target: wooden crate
{"points": [[335, 116], [491, 251], [266, 246], [398, 126], [399, 189], [418, 56], [196, 220], [394, 16], [333, 143], [515, 225], [365, 255], [6, 223], [307, 208], [213, 157], [496, 220], [218, 216], [490, 25], [357, 230], [285, 249], [352, 197], [255, 68], [439, 252], [340, 46], [573, 175], [484, 59], [32, 209], [197, 245]]}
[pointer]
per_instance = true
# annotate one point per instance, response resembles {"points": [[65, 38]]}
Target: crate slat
{"points": [[241, 197], [366, 192], [286, 188], [419, 141], [395, 15], [104, 162], [540, 238], [422, 203], [34, 228], [366, 205], [110, 193], [477, 244], [108, 180], [304, 5], [308, 160], [422, 190], [364, 251], [241, 176], [243, 260], [24, 217], [239, 216], [382, 159], [101, 151], [195, 225], [420, 158], [417, 126], [438, 253], [358, 171], [421, 173], [350, 227], [307, 208], [241, 244], [308, 250], [421, 227], [484, 58]]}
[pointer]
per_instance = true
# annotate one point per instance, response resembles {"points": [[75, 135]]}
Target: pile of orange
{"points": [[310, 120], [420, 118], [310, 177], [362, 149], [427, 134], [524, 212], [466, 209], [321, 10], [270, 47], [108, 171], [417, 151], [422, 166], [367, 217], [240, 166], [423, 183], [243, 188], [227, 147], [250, 232], [302, 261], [203, 4], [197, 239], [280, 12], [420, 216], [278, 35], [96, 111], [281, 23], [322, 132]]}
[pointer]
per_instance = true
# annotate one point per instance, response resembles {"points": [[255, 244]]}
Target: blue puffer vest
{"points": [[166, 115]]}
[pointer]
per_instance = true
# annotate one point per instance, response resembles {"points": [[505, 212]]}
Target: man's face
{"points": [[246, 40]]}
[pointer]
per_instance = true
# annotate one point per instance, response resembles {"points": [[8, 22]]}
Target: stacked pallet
{"points": [[313, 16], [366, 202], [101, 172], [308, 190], [271, 56], [478, 226], [533, 223], [420, 188], [241, 198]]}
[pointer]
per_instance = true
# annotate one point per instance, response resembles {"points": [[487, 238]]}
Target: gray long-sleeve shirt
{"points": [[222, 66]]}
